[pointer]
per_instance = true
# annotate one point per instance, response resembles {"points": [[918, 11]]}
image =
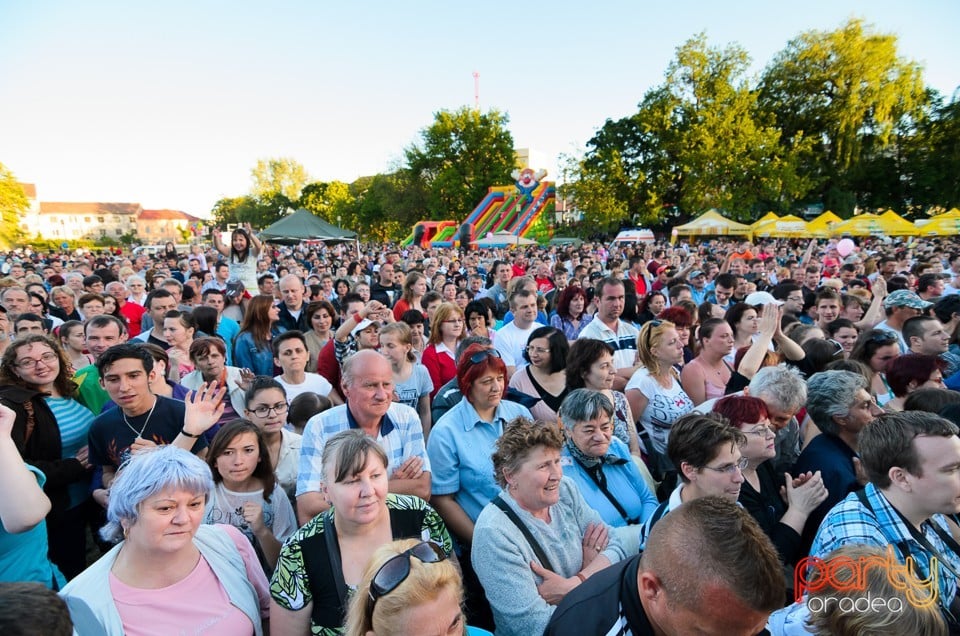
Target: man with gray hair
{"points": [[784, 392], [840, 405], [368, 387]]}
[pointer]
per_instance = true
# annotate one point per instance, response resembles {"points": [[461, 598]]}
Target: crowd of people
{"points": [[631, 439]]}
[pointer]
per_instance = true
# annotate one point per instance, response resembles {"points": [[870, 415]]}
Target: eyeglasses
{"points": [[264, 411], [762, 431], [46, 359], [454, 321], [730, 469], [480, 356], [532, 349], [396, 570]]}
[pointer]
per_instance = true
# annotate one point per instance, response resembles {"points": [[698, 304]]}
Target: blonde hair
{"points": [[403, 333], [425, 583], [831, 619], [650, 336], [445, 312]]}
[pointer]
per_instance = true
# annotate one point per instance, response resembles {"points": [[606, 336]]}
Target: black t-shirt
{"points": [[110, 436]]}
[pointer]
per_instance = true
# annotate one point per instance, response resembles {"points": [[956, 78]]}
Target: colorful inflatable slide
{"points": [[517, 210]]}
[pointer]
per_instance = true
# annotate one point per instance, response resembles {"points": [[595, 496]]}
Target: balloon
{"points": [[845, 247]]}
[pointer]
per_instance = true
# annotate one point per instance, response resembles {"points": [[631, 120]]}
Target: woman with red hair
{"points": [[910, 372], [683, 323], [571, 316], [463, 440], [760, 492]]}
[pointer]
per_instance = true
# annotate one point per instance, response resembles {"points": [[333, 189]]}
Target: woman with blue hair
{"points": [[169, 574]]}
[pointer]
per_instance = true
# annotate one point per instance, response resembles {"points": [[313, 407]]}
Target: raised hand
{"points": [[204, 407]]}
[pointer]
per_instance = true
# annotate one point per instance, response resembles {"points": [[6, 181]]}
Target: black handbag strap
{"points": [[596, 474], [517, 521], [333, 553]]}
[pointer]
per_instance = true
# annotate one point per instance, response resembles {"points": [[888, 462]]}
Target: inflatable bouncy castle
{"points": [[515, 210]]}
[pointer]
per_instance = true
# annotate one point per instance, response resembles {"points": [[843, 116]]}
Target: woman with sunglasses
{"points": [[50, 432], [876, 348], [527, 573], [324, 560], [544, 378], [447, 329], [409, 588], [654, 392], [781, 506]]}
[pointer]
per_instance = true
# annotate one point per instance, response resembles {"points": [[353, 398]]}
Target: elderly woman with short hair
{"points": [[601, 466], [170, 573], [538, 539]]}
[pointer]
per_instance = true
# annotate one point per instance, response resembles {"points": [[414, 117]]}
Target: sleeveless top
{"points": [[713, 391]]}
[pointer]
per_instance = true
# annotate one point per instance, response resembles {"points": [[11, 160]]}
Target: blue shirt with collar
{"points": [[850, 522], [461, 447], [400, 436]]}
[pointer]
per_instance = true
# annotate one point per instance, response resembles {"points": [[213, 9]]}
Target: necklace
{"points": [[145, 422]]}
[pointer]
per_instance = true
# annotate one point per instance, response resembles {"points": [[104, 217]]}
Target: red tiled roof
{"points": [[30, 190], [164, 215], [59, 207]]}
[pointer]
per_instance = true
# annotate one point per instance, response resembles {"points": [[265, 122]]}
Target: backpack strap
{"points": [[333, 553], [517, 521]]}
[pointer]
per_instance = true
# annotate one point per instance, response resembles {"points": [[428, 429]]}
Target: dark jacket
{"points": [[289, 323], [43, 449], [379, 293]]}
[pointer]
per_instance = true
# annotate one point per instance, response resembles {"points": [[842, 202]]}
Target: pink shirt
{"points": [[198, 604]]}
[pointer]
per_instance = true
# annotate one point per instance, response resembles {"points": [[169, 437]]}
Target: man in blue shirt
{"points": [[912, 460], [839, 403]]}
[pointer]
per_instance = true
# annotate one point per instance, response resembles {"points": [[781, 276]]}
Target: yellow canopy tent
{"points": [[766, 218], [820, 226], [711, 223], [895, 225], [887, 224], [789, 226], [946, 224]]}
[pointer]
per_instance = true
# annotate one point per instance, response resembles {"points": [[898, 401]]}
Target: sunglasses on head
{"points": [[396, 570], [883, 337], [480, 356], [653, 325], [837, 348]]}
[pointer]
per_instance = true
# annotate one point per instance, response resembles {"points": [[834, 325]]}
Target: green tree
{"points": [[246, 209], [843, 92], [13, 205], [698, 141], [458, 157], [932, 159], [283, 176], [328, 200]]}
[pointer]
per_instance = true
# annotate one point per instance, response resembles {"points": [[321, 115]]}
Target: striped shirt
{"points": [[73, 420], [623, 340]]}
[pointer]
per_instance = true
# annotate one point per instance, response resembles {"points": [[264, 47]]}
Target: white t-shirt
{"points": [[226, 506], [511, 341], [664, 406], [313, 382]]}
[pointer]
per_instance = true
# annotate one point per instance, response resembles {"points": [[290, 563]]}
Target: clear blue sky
{"points": [[170, 104]]}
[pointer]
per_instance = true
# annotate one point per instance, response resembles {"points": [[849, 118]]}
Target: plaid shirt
{"points": [[400, 436], [849, 522]]}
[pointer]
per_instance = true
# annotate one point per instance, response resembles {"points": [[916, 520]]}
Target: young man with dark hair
{"points": [[158, 303], [291, 355], [141, 420], [912, 461], [705, 450]]}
